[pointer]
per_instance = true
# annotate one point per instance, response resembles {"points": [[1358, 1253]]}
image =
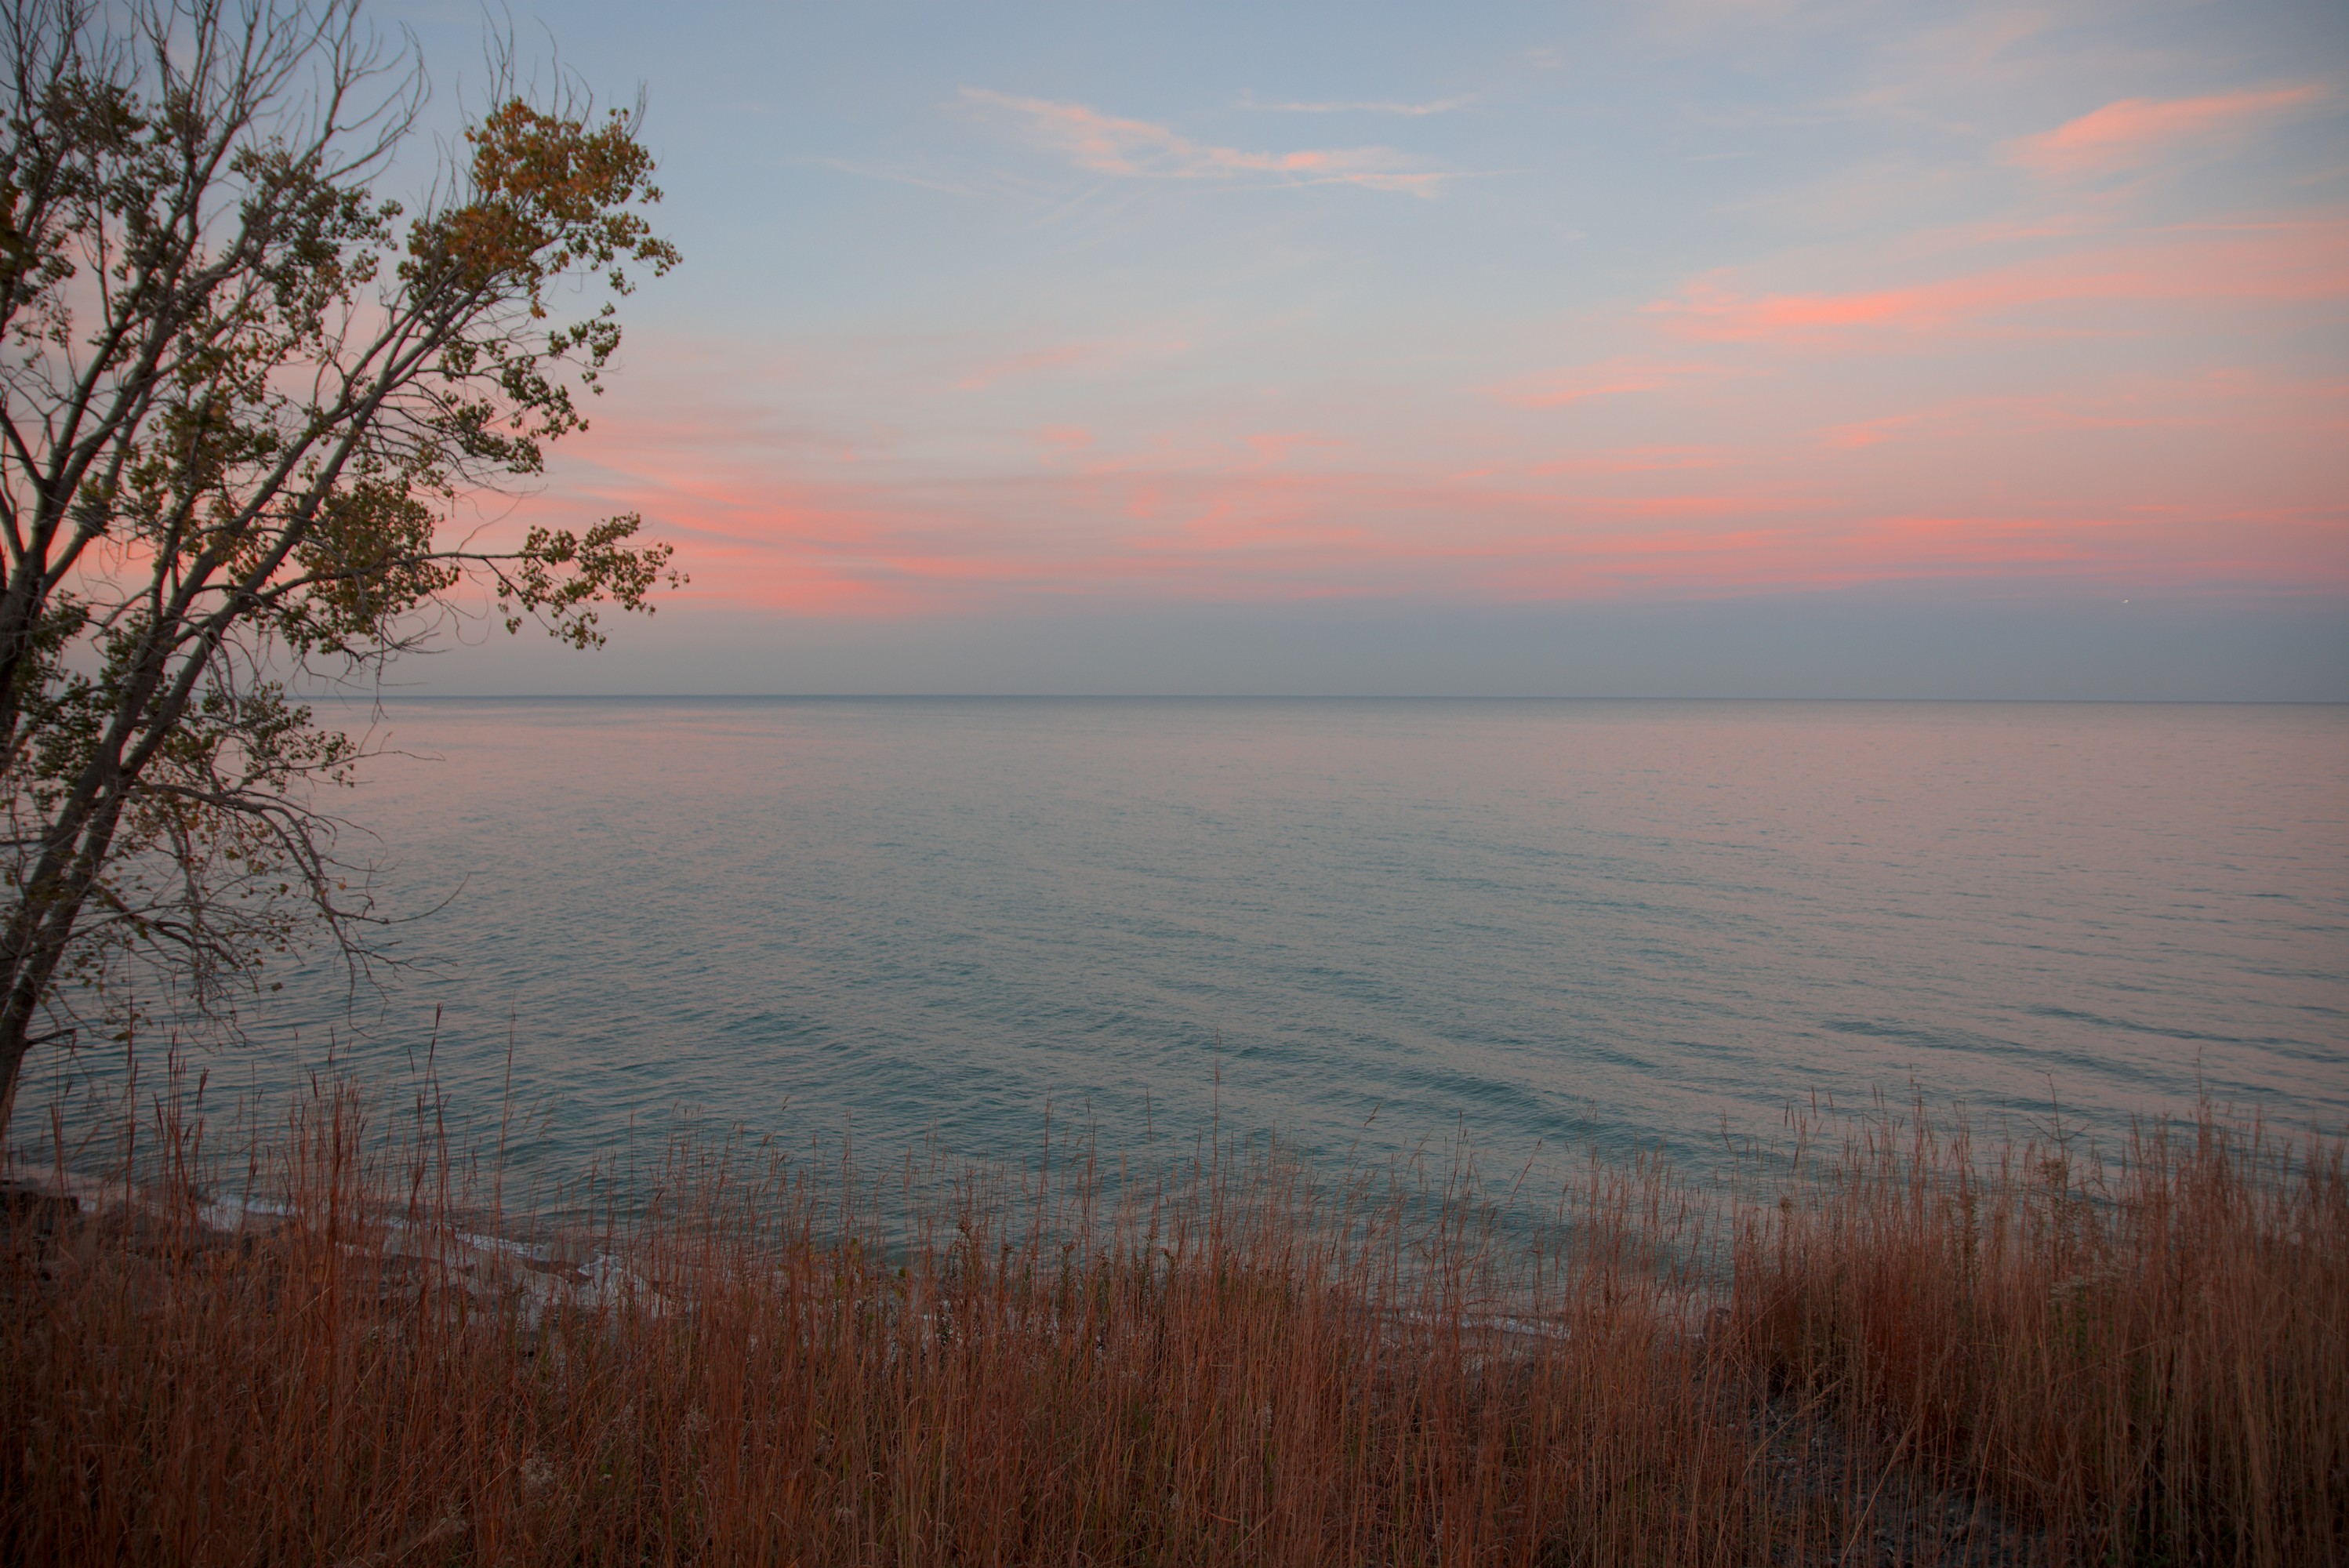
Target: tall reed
{"points": [[2148, 1356], [1920, 1353]]}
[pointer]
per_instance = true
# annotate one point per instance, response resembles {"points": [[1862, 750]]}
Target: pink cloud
{"points": [[1095, 355], [1762, 519], [2241, 405], [1607, 378], [830, 550], [1107, 144], [1058, 357], [2282, 263], [1635, 460], [1064, 440], [2134, 131], [1381, 106], [1273, 449], [1791, 476]]}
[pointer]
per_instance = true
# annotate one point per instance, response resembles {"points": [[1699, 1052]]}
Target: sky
{"points": [[1702, 348]]}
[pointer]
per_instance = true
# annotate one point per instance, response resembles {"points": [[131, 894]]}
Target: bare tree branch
{"points": [[240, 395]]}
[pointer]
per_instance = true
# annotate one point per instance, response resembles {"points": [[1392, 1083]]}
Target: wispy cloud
{"points": [[2233, 407], [1408, 110], [1139, 148], [2276, 263], [1082, 355], [1607, 379], [1652, 459], [892, 176], [2134, 131]]}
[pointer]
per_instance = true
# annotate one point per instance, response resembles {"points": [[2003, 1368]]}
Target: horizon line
{"points": [[1304, 696]]}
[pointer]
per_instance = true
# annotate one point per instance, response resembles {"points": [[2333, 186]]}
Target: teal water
{"points": [[1357, 923]]}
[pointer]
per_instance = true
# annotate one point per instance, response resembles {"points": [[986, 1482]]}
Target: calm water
{"points": [[1541, 923]]}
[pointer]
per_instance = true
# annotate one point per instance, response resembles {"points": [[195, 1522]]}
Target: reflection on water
{"points": [[1539, 923]]}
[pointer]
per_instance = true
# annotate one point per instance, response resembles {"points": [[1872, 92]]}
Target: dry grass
{"points": [[2150, 1362], [1919, 1354]]}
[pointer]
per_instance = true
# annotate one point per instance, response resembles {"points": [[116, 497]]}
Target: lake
{"points": [[1359, 924]]}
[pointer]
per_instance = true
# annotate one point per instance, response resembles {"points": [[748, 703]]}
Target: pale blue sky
{"points": [[1382, 339]]}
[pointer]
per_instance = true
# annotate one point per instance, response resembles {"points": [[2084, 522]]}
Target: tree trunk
{"points": [[40, 932], [15, 1036], [49, 902]]}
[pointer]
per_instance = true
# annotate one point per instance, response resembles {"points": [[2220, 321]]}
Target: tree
{"points": [[240, 395]]}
